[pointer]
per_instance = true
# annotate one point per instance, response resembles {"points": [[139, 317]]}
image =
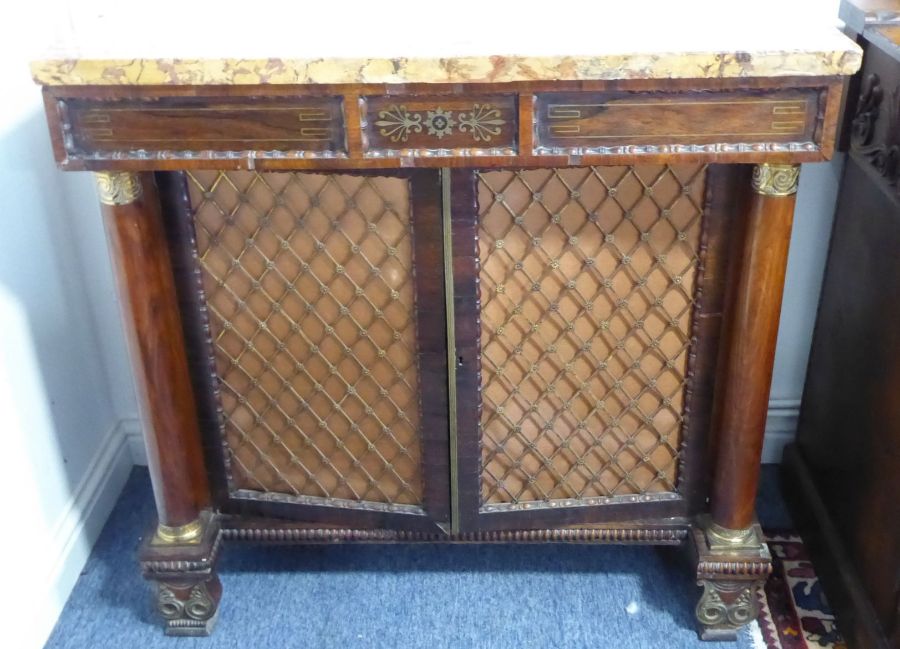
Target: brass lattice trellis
{"points": [[309, 284], [587, 281]]}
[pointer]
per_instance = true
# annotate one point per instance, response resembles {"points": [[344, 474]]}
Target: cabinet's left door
{"points": [[314, 310]]}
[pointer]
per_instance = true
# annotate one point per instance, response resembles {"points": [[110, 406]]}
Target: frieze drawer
{"points": [[438, 125], [612, 121], [207, 127]]}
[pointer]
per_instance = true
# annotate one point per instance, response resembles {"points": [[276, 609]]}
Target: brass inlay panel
{"points": [[309, 285], [307, 134], [180, 124], [483, 122], [565, 117], [587, 289], [456, 124]]}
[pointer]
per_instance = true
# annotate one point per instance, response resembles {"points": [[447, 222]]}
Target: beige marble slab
{"points": [[199, 42]]}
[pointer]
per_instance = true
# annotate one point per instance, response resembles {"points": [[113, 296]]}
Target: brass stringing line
{"points": [[285, 382], [324, 458], [446, 212], [651, 304]]}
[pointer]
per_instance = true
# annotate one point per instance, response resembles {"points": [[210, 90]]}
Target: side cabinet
{"points": [[539, 304], [844, 470]]}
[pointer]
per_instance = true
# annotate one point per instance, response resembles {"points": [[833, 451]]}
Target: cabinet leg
{"points": [[180, 553], [732, 559], [731, 569], [181, 562]]}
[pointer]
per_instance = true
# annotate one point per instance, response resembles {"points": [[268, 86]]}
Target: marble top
{"points": [[99, 42]]}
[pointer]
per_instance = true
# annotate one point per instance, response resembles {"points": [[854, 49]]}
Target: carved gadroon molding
{"points": [[668, 536], [118, 187], [776, 179]]}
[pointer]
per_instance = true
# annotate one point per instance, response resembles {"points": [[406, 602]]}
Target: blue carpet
{"points": [[491, 597]]}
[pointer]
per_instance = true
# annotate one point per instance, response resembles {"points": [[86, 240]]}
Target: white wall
{"points": [[64, 458], [806, 263]]}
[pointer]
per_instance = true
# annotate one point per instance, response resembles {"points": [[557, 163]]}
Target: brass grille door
{"points": [[325, 305], [587, 280]]}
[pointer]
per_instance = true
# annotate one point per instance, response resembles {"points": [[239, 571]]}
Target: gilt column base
{"points": [[182, 566], [731, 567]]}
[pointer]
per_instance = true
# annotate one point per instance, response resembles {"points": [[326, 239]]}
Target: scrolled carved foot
{"points": [[724, 607], [189, 609], [181, 563], [731, 567]]}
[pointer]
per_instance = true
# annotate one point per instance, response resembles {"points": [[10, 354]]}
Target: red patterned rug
{"points": [[793, 611]]}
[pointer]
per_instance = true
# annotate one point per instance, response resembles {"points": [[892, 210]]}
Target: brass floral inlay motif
{"points": [[483, 122], [397, 123]]}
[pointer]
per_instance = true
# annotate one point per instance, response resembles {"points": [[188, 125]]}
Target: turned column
{"points": [[732, 558], [753, 322], [146, 287]]}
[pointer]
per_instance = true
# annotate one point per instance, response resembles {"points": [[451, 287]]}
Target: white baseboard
{"points": [[781, 426], [77, 529], [134, 437]]}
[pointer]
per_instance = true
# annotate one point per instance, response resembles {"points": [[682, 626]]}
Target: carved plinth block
{"points": [[189, 607], [730, 576], [187, 588]]}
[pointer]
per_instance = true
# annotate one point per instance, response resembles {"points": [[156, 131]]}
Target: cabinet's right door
{"points": [[587, 312]]}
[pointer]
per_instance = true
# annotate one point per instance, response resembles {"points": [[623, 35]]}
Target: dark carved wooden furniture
{"points": [[844, 471], [481, 299]]}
